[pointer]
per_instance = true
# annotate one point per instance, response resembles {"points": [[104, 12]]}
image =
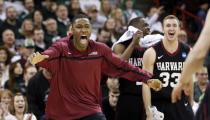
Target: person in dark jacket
{"points": [[76, 64], [37, 93]]}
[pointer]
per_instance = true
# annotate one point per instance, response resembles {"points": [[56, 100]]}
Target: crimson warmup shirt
{"points": [[75, 86]]}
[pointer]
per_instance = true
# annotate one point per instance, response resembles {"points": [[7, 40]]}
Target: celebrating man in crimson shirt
{"points": [[76, 64]]}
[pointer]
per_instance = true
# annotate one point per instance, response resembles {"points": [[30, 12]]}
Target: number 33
{"points": [[166, 76]]}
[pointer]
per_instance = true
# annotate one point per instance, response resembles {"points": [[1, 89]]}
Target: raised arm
{"points": [[148, 65], [125, 53], [194, 60]]}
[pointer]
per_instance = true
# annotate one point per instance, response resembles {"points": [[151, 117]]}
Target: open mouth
{"points": [[20, 107], [171, 34], [83, 39]]}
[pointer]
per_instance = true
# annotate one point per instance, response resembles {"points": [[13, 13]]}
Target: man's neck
{"points": [[170, 45]]}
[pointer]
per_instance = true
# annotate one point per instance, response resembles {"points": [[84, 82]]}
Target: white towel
{"points": [[145, 42]]}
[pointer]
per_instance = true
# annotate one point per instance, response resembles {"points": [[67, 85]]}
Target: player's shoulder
{"points": [[150, 51]]}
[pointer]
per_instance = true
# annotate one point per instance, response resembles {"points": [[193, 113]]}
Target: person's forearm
{"points": [[146, 94], [196, 57], [128, 51]]}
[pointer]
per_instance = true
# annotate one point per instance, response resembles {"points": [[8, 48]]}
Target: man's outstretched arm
{"points": [[194, 60], [116, 67]]}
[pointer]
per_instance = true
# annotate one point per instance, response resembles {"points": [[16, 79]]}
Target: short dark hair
{"points": [[79, 16], [134, 21]]}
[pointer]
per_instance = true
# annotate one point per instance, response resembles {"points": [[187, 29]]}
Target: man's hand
{"points": [[37, 57], [176, 93], [155, 84], [136, 37]]}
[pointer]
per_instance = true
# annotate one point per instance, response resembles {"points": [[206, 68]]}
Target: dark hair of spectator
{"points": [[12, 77]]}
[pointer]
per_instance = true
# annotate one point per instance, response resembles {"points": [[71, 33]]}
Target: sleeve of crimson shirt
{"points": [[53, 52], [116, 67]]}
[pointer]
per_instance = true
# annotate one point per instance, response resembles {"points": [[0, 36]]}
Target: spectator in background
{"points": [[8, 38], [29, 72], [104, 36], [120, 27], [74, 8], [130, 12], [37, 93], [52, 34], [49, 8], [110, 25], [38, 37], [152, 19], [2, 11], [109, 104], [182, 36], [38, 19], [200, 83], [5, 57], [6, 97], [11, 21], [62, 19], [15, 77], [26, 31], [95, 19], [28, 13], [20, 106], [105, 8]]}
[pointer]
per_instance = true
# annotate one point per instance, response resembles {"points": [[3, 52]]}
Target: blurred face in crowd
{"points": [[1, 5], [19, 104], [11, 13], [27, 25], [30, 72], [29, 5], [38, 16], [62, 12], [202, 75], [106, 5], [75, 5], [118, 13], [182, 36], [171, 29], [152, 11], [81, 30], [113, 98], [129, 4], [110, 24], [92, 12], [6, 97], [8, 37], [3, 55], [104, 36], [51, 25], [18, 69], [38, 35]]}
